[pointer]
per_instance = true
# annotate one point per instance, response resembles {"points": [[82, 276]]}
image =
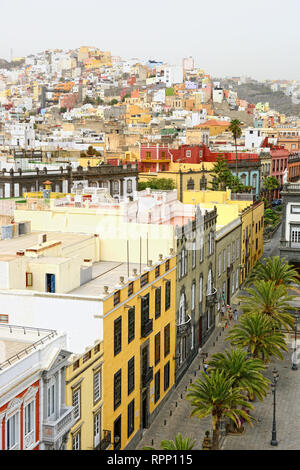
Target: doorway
{"points": [[50, 283], [145, 412], [117, 433]]}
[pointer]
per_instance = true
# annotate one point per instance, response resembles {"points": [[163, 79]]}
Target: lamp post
{"points": [[274, 441], [294, 358]]}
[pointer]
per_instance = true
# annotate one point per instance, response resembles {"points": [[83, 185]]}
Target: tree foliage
{"points": [[157, 183]]}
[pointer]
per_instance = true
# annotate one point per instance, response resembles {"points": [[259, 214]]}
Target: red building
{"points": [[154, 158]]}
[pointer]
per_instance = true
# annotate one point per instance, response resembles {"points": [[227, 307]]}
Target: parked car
{"points": [[276, 202]]}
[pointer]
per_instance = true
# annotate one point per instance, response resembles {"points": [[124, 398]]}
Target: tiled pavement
{"points": [[257, 437]]}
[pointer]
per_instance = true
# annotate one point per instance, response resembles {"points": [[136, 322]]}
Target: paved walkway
{"points": [[173, 419]]}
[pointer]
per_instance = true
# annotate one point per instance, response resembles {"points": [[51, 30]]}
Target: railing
{"points": [[32, 347], [212, 297], [289, 244], [147, 328], [105, 441], [54, 430], [147, 376], [182, 328]]}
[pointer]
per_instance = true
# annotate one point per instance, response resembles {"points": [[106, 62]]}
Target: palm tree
{"points": [[270, 183], [256, 332], [216, 396], [244, 370], [270, 300], [236, 131], [274, 269], [179, 444]]}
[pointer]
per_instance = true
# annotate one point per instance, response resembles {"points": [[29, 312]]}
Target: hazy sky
{"points": [[260, 38]]}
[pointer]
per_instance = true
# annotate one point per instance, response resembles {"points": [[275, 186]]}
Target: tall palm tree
{"points": [[270, 300], [236, 131], [215, 395], [179, 444], [255, 332], [274, 269], [244, 370]]}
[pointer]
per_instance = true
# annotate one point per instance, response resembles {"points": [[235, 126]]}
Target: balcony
{"points": [[147, 328], [211, 299], [183, 328], [147, 376], [105, 441], [54, 430]]}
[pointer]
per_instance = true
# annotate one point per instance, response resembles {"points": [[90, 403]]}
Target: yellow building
{"points": [[228, 209], [137, 115], [84, 378], [252, 237], [139, 351], [185, 176], [215, 127]]}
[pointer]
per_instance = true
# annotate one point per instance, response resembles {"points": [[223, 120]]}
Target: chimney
{"points": [[135, 272], [122, 280], [160, 257], [150, 262], [105, 289]]}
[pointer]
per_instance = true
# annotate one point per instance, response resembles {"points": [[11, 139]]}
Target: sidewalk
{"points": [[175, 415]]}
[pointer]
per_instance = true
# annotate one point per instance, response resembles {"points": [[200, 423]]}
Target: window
{"points": [[76, 364], [209, 283], [224, 260], [130, 289], [168, 295], [129, 186], [167, 266], [131, 324], [233, 251], [117, 335], [157, 386], [157, 302], [76, 403], [3, 318], [201, 289], [87, 356], [232, 287], [117, 389], [29, 280], [144, 279], [167, 376], [97, 386], [193, 295], [13, 432], [237, 279], [237, 249], [167, 339], [201, 248], [194, 255], [188, 153], [210, 243], [144, 309], [116, 298], [220, 264], [295, 209], [51, 400], [76, 441], [130, 375], [130, 418], [97, 348], [295, 236], [157, 349], [29, 418], [157, 271], [228, 259]]}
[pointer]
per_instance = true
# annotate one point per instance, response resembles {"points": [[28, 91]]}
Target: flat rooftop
{"points": [[17, 341], [10, 246], [107, 273]]}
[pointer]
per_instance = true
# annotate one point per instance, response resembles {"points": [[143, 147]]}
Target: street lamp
{"points": [[294, 358], [273, 386]]}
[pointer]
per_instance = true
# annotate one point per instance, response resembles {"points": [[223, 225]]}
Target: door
{"points": [[145, 410], [117, 433], [228, 290], [50, 283], [97, 428]]}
